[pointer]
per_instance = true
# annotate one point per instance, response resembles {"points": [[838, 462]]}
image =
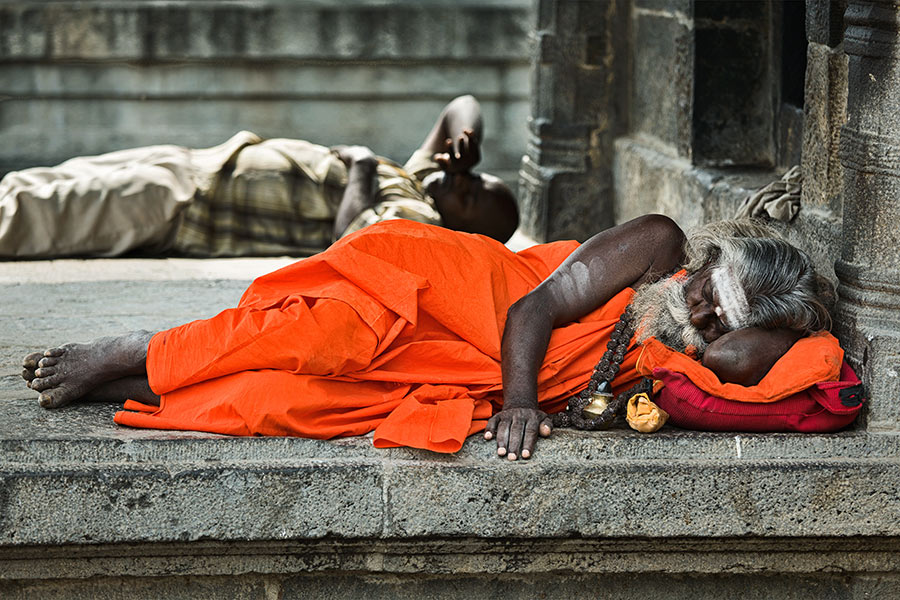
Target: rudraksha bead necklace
{"points": [[595, 407]]}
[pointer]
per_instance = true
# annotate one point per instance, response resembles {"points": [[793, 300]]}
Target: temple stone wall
{"points": [[578, 108], [87, 77]]}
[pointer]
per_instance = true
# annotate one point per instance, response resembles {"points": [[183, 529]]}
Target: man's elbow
{"points": [[529, 308]]}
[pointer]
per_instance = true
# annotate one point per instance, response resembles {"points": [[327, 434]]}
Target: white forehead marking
{"points": [[731, 296]]}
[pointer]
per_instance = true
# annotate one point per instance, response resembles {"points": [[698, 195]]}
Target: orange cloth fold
{"points": [[394, 329]]}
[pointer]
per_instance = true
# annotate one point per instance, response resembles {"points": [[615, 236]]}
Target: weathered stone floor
{"points": [[84, 502]]}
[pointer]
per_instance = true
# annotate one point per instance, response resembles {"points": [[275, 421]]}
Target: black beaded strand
{"points": [[601, 381]]}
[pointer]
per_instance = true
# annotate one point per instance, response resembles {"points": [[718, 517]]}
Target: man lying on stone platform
{"points": [[426, 336], [250, 196]]}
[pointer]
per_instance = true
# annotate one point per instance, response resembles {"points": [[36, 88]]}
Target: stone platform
{"points": [[92, 510]]}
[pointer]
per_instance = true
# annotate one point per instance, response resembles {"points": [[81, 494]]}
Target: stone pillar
{"points": [[868, 313], [578, 94]]}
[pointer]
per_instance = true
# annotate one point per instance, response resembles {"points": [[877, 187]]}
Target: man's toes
{"points": [[27, 374], [52, 399], [47, 361], [45, 372], [31, 361], [54, 352], [40, 384]]}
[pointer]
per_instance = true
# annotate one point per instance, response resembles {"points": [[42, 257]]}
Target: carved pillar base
{"points": [[566, 177], [868, 313]]}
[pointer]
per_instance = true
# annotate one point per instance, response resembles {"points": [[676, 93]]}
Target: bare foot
{"points": [[133, 387], [70, 372], [29, 364]]}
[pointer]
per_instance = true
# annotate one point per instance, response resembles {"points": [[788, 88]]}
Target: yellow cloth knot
{"points": [[643, 415]]}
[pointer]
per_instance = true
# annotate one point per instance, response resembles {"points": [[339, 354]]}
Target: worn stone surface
{"points": [[648, 180], [662, 79], [561, 586], [825, 111], [125, 74]]}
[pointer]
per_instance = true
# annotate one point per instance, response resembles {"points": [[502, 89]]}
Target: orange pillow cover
{"points": [[811, 360]]}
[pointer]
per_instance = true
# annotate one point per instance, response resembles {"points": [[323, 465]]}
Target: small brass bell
{"points": [[599, 401]]}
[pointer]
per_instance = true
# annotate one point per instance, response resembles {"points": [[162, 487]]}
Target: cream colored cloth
{"points": [[779, 200], [243, 197], [109, 204], [97, 205]]}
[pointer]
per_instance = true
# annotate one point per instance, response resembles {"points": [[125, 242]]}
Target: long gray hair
{"points": [[782, 286]]}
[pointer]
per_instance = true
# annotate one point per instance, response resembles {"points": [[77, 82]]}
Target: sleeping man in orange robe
{"points": [[426, 336]]}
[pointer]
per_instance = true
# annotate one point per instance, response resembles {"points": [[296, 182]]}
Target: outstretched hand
{"points": [[461, 154], [517, 430]]}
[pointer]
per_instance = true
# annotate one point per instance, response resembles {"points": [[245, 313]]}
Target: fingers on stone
{"points": [[48, 361], [54, 352], [528, 443], [27, 374], [546, 427], [502, 437], [491, 428], [516, 434]]}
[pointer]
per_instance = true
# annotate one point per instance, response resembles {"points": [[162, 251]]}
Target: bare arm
{"points": [[361, 191], [745, 356], [456, 136], [641, 250]]}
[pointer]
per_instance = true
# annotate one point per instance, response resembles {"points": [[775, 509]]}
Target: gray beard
{"points": [[663, 313]]}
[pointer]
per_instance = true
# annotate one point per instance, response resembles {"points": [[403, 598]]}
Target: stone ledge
{"points": [[456, 556], [75, 478], [648, 178]]}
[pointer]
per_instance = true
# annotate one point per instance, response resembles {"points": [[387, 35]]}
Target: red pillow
{"points": [[824, 407]]}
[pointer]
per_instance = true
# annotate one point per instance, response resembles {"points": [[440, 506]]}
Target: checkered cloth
{"points": [[400, 194], [280, 196]]}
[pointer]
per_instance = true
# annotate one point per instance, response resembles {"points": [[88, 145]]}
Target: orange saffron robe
{"points": [[394, 329]]}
